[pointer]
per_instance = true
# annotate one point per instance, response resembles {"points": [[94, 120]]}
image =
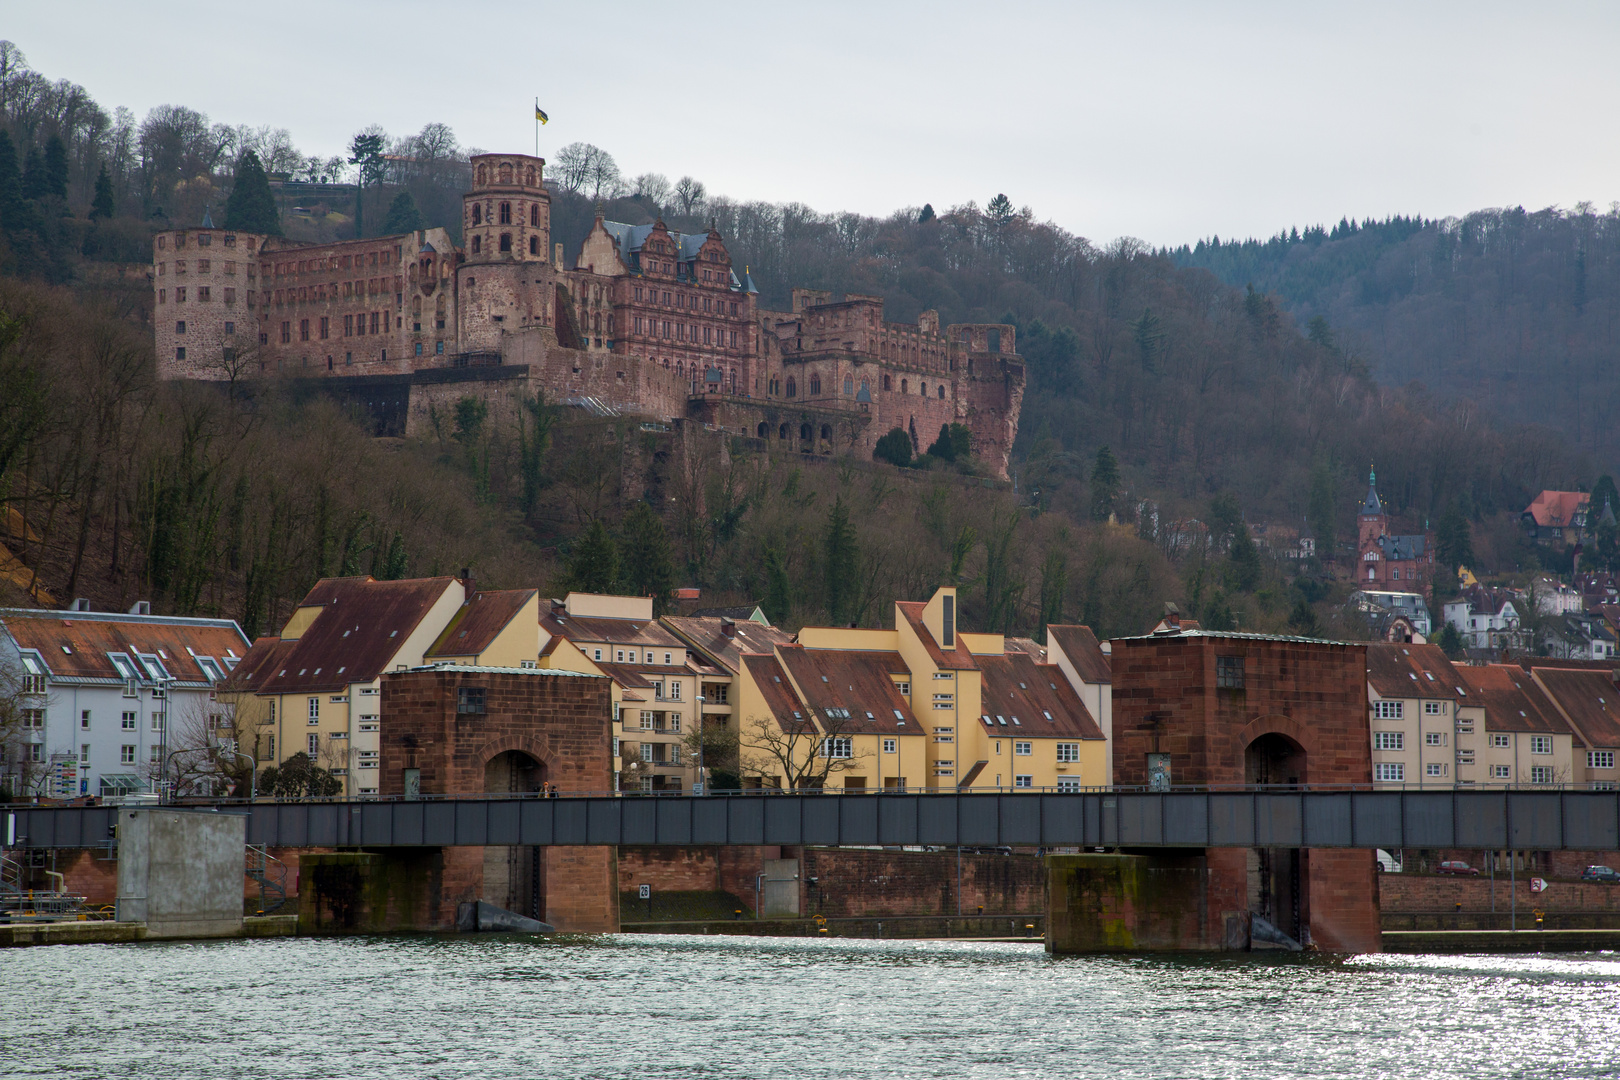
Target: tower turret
{"points": [[506, 281]]}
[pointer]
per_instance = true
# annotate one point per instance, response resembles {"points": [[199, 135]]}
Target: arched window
{"points": [[483, 177], [528, 180], [815, 385], [506, 172], [806, 432], [942, 391], [506, 213], [763, 429], [680, 368], [478, 244], [506, 241], [904, 386], [534, 245], [849, 386], [478, 209], [793, 387], [826, 433], [534, 208], [886, 383], [781, 432], [922, 388]]}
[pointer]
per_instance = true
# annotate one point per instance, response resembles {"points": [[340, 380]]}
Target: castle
{"points": [[648, 322]]}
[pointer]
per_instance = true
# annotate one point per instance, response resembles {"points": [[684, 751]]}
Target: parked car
{"points": [[1460, 868], [1601, 873]]}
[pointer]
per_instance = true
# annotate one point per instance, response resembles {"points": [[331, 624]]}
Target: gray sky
{"points": [[1164, 121]]}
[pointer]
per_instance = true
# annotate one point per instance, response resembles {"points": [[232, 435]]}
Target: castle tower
{"points": [[1372, 520], [506, 282]]}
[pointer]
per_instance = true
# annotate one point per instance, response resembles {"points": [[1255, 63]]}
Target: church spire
{"points": [[1372, 505]]}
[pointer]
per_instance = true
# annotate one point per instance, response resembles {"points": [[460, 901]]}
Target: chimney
{"points": [[81, 604], [728, 627], [1172, 616], [142, 607], [468, 586]]}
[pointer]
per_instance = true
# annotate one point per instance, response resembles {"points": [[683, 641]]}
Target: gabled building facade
{"points": [[1386, 561]]}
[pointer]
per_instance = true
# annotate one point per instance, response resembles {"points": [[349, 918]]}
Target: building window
{"points": [[1388, 772], [1434, 738], [506, 241], [837, 746], [1501, 772], [891, 746], [1501, 741], [313, 744], [1023, 749], [33, 719], [1434, 768], [1229, 672], [303, 329], [326, 327], [157, 721], [314, 710], [1541, 744], [1595, 759], [1434, 708], [1389, 710], [1541, 774], [1023, 781], [506, 213], [286, 333], [1068, 751], [127, 722], [126, 754], [470, 699], [84, 719], [1388, 740]]}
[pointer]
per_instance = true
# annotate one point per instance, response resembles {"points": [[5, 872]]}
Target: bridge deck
{"points": [[1500, 820]]}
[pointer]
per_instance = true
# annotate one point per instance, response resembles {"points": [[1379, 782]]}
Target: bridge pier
{"points": [[1202, 900]]}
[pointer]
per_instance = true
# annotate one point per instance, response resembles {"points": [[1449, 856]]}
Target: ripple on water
{"points": [[658, 1007]]}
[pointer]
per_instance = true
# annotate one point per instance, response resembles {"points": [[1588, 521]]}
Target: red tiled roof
{"points": [[1557, 508], [362, 624], [1080, 645], [706, 636], [607, 631], [957, 659], [1589, 698], [1411, 671], [855, 680], [1512, 701], [1038, 696], [480, 622], [774, 686], [90, 636], [267, 656]]}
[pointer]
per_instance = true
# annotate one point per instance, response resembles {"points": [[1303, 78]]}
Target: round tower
{"points": [[505, 282]]}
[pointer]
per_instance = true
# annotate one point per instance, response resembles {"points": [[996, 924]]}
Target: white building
{"points": [[1409, 604], [1486, 621], [1554, 597], [108, 698]]}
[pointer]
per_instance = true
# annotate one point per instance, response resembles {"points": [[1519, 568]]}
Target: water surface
{"points": [[653, 1007]]}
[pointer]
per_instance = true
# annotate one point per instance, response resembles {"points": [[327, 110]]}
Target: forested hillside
{"points": [[1513, 311], [1157, 393]]}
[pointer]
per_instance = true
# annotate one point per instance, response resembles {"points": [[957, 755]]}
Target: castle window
{"points": [[230, 327], [506, 241], [478, 214], [180, 295], [374, 322], [286, 333], [303, 329], [905, 387], [348, 326], [792, 387], [815, 385], [534, 245], [781, 432], [180, 327], [922, 388], [230, 295], [478, 244], [534, 208], [849, 386], [886, 385], [506, 213], [942, 391], [163, 296], [180, 353], [482, 175], [326, 327], [806, 432]]}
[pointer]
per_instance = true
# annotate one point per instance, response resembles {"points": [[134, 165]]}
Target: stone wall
{"points": [[1415, 893]]}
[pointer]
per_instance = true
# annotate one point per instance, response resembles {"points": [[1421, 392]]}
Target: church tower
{"points": [[506, 282]]}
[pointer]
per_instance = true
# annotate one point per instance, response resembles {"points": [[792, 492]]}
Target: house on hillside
{"points": [[1556, 517], [1577, 636], [1386, 608], [1553, 597], [1488, 620], [1385, 560]]}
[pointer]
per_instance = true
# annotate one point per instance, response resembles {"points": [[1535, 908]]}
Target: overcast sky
{"points": [[1164, 121]]}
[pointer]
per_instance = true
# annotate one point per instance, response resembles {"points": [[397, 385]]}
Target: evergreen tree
{"points": [[395, 563], [534, 439], [403, 216], [1302, 620], [366, 152], [1603, 493], [1000, 209], [103, 205], [649, 559], [840, 554], [11, 191], [251, 207], [594, 566], [1320, 513], [1454, 540], [1450, 641], [1104, 485], [927, 214], [895, 448], [1149, 338], [955, 443], [35, 184], [1243, 561], [778, 602], [56, 167]]}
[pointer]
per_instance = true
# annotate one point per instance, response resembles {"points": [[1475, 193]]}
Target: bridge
{"points": [[1499, 819]]}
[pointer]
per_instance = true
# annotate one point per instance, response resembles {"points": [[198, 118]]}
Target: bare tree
{"points": [[575, 164], [802, 753], [654, 187], [19, 772], [690, 194], [200, 745]]}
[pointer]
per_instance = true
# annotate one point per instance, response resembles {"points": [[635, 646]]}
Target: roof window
{"points": [[1002, 720], [67, 650], [898, 715], [1015, 722], [1046, 714]]}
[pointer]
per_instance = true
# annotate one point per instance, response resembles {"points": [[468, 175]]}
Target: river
{"points": [[654, 1007]]}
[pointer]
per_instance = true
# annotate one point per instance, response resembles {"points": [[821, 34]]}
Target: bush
{"points": [[895, 448]]}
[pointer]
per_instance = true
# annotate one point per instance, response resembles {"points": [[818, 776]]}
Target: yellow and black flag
{"points": [[539, 113]]}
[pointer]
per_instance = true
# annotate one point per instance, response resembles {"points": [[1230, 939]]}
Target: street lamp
{"points": [[698, 788]]}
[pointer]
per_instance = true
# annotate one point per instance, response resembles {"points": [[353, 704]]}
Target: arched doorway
{"points": [[514, 876], [1279, 889]]}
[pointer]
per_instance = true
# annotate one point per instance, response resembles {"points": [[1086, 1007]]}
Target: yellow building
{"points": [[922, 705]]}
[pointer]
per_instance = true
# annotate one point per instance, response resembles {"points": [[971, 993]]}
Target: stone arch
{"points": [[536, 746], [506, 172], [1278, 724], [528, 176], [506, 241], [826, 432], [483, 175], [806, 432], [764, 429], [781, 433]]}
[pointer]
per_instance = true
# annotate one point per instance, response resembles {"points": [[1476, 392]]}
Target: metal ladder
{"points": [[271, 874]]}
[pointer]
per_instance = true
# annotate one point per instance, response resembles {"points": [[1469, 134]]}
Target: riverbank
{"points": [[105, 932], [1454, 942]]}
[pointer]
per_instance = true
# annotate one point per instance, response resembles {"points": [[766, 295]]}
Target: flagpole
{"points": [[536, 127]]}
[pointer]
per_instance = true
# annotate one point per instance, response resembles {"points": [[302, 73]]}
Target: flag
{"points": [[540, 114]]}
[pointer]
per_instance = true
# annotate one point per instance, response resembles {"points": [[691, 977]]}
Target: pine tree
{"points": [[1320, 514], [1244, 560], [1000, 209], [403, 216], [56, 167], [103, 205], [1454, 540], [34, 182], [1104, 485], [895, 448], [778, 602], [840, 552], [594, 566], [927, 214], [251, 207], [649, 559]]}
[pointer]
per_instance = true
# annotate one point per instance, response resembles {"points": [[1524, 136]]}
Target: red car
{"points": [[1460, 868]]}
